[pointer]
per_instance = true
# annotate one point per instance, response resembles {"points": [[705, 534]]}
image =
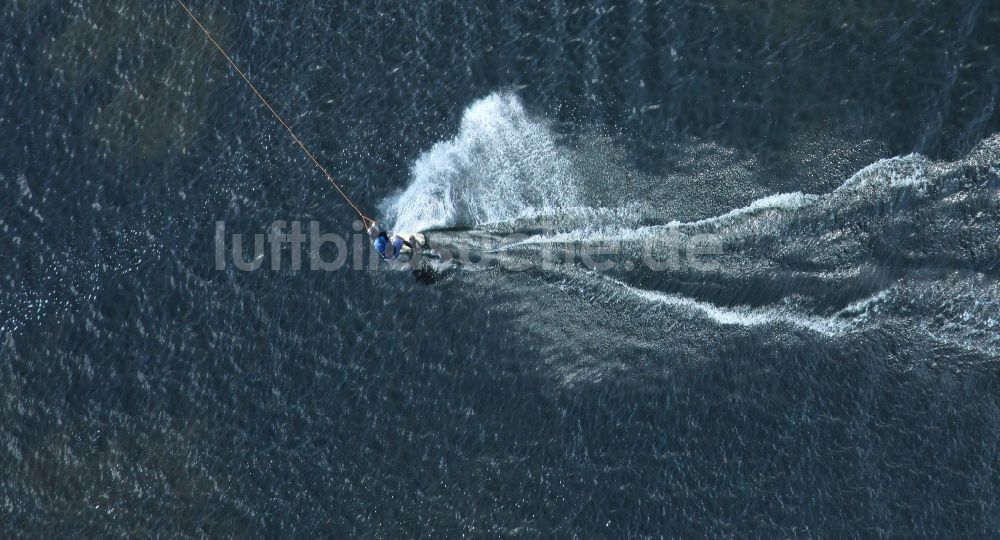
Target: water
{"points": [[829, 371]]}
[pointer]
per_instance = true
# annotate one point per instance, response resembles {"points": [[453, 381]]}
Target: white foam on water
{"points": [[501, 165], [739, 316], [861, 309], [895, 172], [781, 201], [891, 173]]}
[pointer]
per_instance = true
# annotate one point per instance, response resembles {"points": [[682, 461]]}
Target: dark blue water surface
{"points": [[833, 372]]}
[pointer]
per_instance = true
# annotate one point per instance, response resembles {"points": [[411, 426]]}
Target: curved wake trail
{"points": [[890, 250], [845, 320]]}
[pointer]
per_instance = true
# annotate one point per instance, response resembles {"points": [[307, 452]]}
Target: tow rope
{"points": [[364, 219]]}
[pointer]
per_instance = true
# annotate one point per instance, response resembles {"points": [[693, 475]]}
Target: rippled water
{"points": [[830, 369]]}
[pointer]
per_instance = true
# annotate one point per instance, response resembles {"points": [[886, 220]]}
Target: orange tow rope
{"points": [[364, 219]]}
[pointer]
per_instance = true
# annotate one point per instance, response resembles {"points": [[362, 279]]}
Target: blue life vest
{"points": [[380, 244]]}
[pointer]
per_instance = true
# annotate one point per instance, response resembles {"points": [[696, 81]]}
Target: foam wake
{"points": [[904, 247]]}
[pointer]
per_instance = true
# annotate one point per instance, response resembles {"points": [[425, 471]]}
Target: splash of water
{"points": [[502, 164]]}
